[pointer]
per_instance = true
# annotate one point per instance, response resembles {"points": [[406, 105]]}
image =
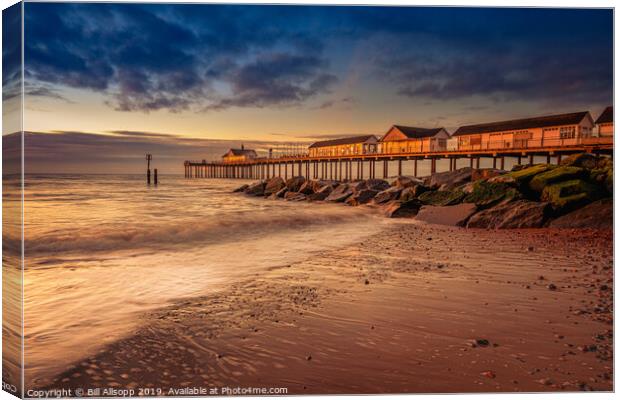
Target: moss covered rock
{"points": [[523, 176], [486, 194], [582, 160], [413, 192], [442, 197], [569, 195], [559, 174]]}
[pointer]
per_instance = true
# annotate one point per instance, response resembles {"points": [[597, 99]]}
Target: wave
{"points": [[225, 227]]}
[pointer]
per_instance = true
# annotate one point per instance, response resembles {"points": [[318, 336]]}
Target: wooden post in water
{"points": [[148, 168], [155, 176]]}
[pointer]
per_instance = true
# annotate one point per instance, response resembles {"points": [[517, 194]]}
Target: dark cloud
{"points": [[11, 51], [276, 79], [212, 57], [332, 103], [154, 57]]}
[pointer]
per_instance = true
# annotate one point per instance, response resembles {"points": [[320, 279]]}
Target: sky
{"points": [[106, 83]]}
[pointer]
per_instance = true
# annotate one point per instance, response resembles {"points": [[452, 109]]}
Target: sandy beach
{"points": [[414, 309]]}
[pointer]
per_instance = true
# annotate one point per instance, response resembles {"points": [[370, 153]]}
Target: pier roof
{"points": [[526, 123], [343, 141], [413, 132], [606, 116], [240, 152]]}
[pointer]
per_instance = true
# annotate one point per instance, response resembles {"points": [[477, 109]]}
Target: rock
{"points": [[362, 197], [597, 215], [488, 374], [340, 193], [321, 194], [485, 173], [274, 185], [516, 214], [255, 189], [377, 184], [559, 174], [503, 179], [582, 160], [523, 176], [569, 195], [398, 209], [442, 197], [403, 182], [518, 167], [241, 188], [294, 196], [468, 188], [308, 187], [281, 192], [450, 178], [456, 215], [486, 194], [482, 342], [390, 194], [412, 192], [356, 186], [294, 183]]}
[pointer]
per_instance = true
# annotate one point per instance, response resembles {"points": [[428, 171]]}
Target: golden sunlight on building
{"points": [[547, 131], [605, 122], [407, 139], [239, 155], [345, 146]]}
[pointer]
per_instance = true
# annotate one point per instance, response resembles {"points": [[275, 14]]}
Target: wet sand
{"points": [[415, 309]]}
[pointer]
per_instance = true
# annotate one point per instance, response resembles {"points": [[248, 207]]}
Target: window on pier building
{"points": [[567, 132], [586, 131]]}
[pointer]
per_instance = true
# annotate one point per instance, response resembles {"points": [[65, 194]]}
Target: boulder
{"points": [[441, 197], [294, 196], [386, 195], [377, 184], [485, 173], [450, 178], [321, 194], [362, 197], [356, 186], [570, 195], [412, 192], [280, 194], [406, 181], [398, 209], [274, 185], [597, 215], [563, 173], [456, 215], [581, 160], [524, 175], [486, 194], [503, 179], [308, 187], [241, 188], [256, 189], [340, 193], [294, 183], [510, 215]]}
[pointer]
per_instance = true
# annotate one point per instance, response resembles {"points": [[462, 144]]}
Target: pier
{"points": [[364, 166]]}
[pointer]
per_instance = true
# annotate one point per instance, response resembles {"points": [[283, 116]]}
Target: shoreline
{"points": [[397, 312]]}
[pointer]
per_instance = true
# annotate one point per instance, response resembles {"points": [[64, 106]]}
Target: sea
{"points": [[102, 250]]}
